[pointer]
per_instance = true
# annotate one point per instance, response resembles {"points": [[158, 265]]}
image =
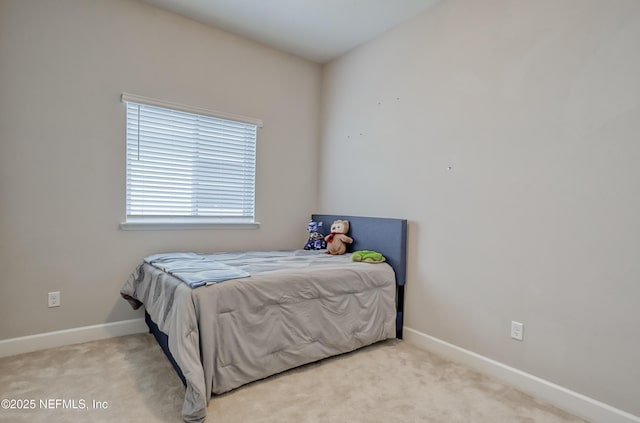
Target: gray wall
{"points": [[63, 66], [535, 106]]}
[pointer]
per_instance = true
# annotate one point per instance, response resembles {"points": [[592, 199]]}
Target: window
{"points": [[188, 166]]}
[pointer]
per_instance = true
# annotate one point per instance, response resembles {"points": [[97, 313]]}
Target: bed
{"points": [[291, 308]]}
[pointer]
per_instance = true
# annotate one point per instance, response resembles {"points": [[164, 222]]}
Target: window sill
{"points": [[177, 226]]}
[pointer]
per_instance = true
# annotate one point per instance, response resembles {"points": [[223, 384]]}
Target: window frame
{"points": [[185, 222]]}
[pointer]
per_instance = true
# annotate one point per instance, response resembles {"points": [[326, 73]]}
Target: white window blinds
{"points": [[189, 167]]}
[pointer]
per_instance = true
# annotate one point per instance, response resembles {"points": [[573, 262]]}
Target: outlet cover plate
{"points": [[54, 299], [517, 331]]}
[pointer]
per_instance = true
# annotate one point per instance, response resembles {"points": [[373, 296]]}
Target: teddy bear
{"points": [[337, 240], [316, 239]]}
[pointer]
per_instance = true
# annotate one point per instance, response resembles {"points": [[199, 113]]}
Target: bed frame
{"points": [[386, 236]]}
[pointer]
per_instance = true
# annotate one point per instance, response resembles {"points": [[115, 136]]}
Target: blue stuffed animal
{"points": [[316, 239]]}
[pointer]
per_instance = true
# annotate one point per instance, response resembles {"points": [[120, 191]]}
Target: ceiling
{"points": [[318, 30]]}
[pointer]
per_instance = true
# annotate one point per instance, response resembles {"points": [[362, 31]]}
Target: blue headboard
{"points": [[386, 236]]}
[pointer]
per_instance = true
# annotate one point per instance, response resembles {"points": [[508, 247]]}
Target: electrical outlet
{"points": [[517, 331], [54, 299]]}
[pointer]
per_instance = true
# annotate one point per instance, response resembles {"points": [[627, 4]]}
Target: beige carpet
{"points": [[388, 382]]}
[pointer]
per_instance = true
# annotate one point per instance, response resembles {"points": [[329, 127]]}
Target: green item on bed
{"points": [[368, 256]]}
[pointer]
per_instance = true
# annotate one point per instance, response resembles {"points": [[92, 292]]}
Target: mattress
{"points": [[295, 307]]}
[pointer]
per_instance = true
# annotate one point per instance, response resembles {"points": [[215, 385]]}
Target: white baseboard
{"points": [[566, 399], [59, 338]]}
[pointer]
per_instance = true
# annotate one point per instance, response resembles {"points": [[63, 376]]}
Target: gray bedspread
{"points": [[296, 307], [195, 269]]}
